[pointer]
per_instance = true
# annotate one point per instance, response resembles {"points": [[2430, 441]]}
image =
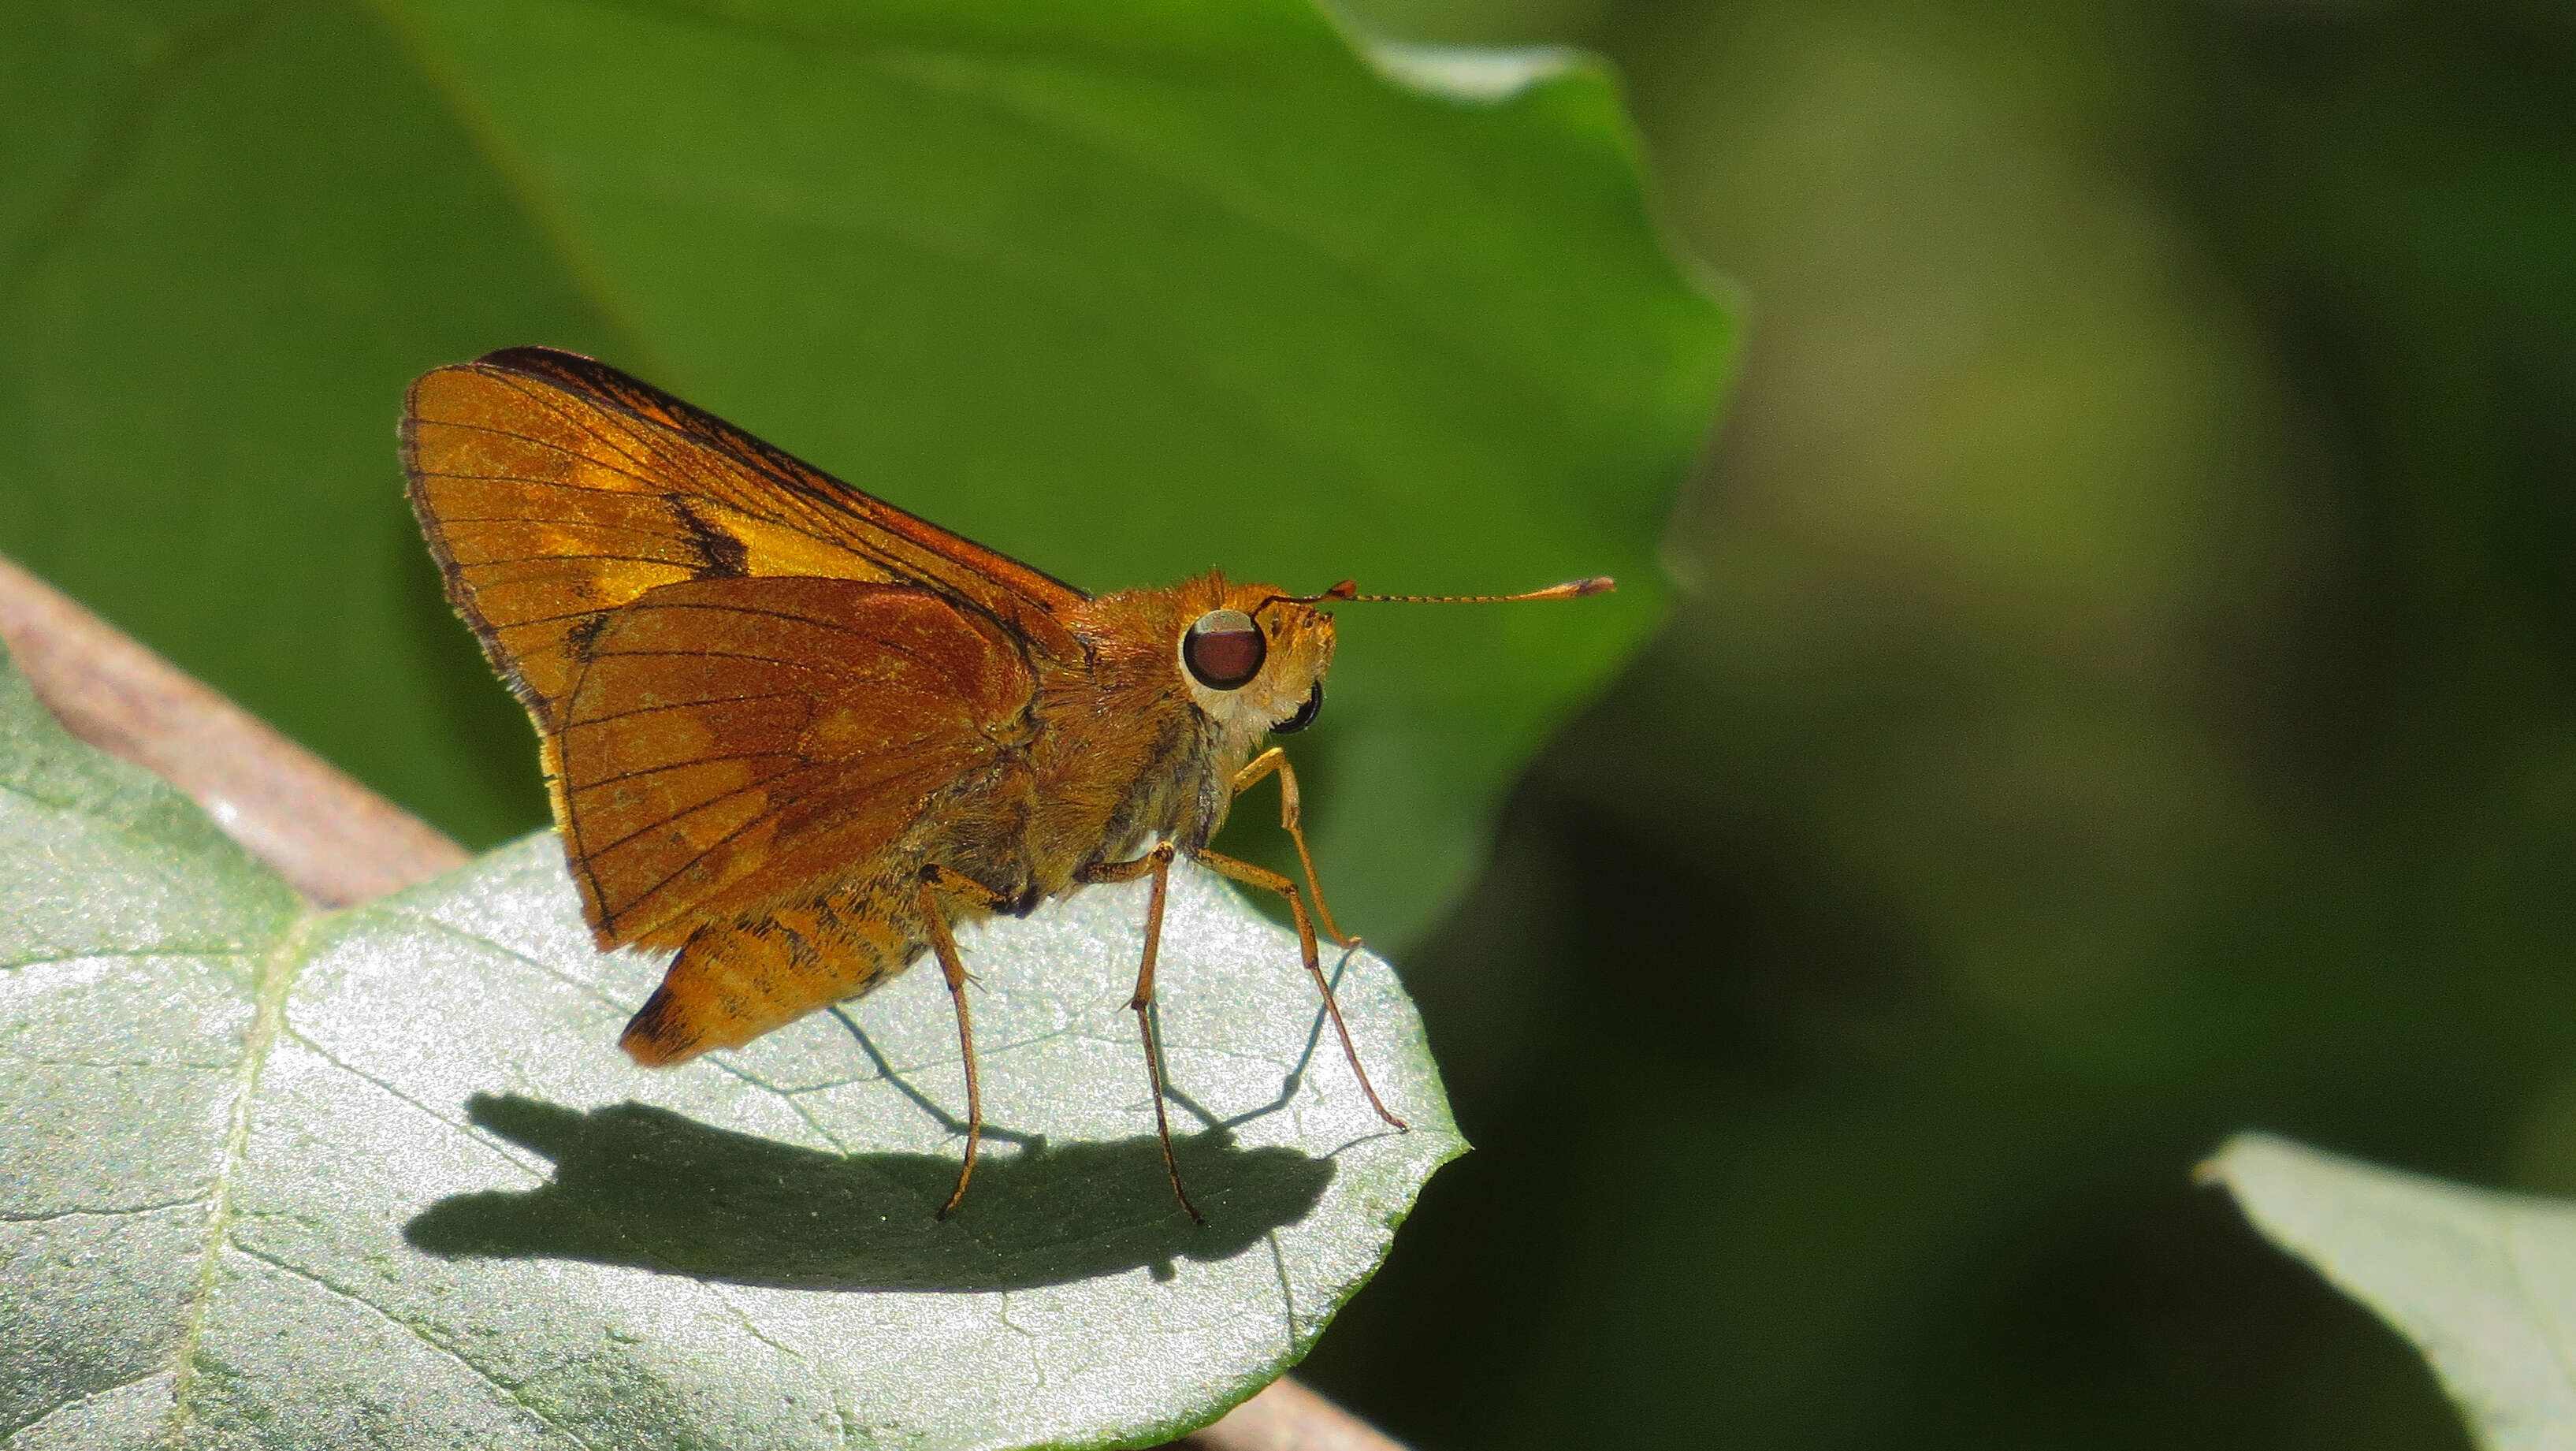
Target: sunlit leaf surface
{"points": [[271, 1178], [2483, 1283]]}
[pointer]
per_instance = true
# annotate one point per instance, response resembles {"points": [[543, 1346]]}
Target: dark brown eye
{"points": [[1224, 649], [1305, 715]]}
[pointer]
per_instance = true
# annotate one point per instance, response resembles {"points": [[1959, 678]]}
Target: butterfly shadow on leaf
{"points": [[646, 1187]]}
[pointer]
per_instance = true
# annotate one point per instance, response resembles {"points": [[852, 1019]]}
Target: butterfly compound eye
{"points": [[1224, 649], [1305, 715]]}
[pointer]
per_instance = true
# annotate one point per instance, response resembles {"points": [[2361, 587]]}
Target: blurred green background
{"points": [[2122, 690], [2126, 691]]}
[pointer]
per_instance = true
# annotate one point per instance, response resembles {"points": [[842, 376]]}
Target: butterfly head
{"points": [[1253, 659], [1250, 658]]}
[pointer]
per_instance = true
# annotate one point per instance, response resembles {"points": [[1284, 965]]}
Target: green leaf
{"points": [[278, 1178], [2483, 1283], [1127, 288]]}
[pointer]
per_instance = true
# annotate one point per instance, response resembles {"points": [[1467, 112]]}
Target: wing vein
{"points": [[701, 655], [643, 771], [545, 399], [656, 485], [878, 642], [680, 816], [685, 705], [674, 874]]}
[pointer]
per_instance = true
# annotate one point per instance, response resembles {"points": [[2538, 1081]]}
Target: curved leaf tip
{"points": [[2482, 1282]]}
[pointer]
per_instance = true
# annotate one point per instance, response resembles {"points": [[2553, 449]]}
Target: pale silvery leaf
{"points": [[2483, 1283], [277, 1178]]}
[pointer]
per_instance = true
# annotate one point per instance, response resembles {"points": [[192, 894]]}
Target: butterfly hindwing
{"points": [[729, 741]]}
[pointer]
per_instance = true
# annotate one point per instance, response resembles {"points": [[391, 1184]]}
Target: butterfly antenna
{"points": [[1599, 584]]}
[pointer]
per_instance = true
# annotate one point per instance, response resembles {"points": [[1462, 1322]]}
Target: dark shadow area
{"points": [[647, 1187]]}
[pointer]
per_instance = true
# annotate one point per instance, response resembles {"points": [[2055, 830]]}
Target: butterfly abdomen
{"points": [[748, 971], [741, 977]]}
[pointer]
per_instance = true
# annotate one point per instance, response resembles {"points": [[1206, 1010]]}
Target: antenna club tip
{"points": [[1571, 589]]}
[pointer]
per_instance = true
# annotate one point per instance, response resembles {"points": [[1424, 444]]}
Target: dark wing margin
{"points": [[935, 557], [553, 489]]}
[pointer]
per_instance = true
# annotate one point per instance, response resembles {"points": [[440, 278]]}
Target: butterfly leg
{"points": [[1290, 820], [1158, 863], [1262, 877], [935, 880]]}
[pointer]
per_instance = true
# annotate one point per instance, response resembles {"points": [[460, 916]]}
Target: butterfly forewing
{"points": [[554, 488], [747, 673]]}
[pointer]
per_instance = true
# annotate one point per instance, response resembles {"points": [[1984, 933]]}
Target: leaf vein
{"points": [[481, 1372], [66, 1403], [276, 976], [462, 1129], [127, 954], [844, 1430], [110, 1212], [589, 990]]}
